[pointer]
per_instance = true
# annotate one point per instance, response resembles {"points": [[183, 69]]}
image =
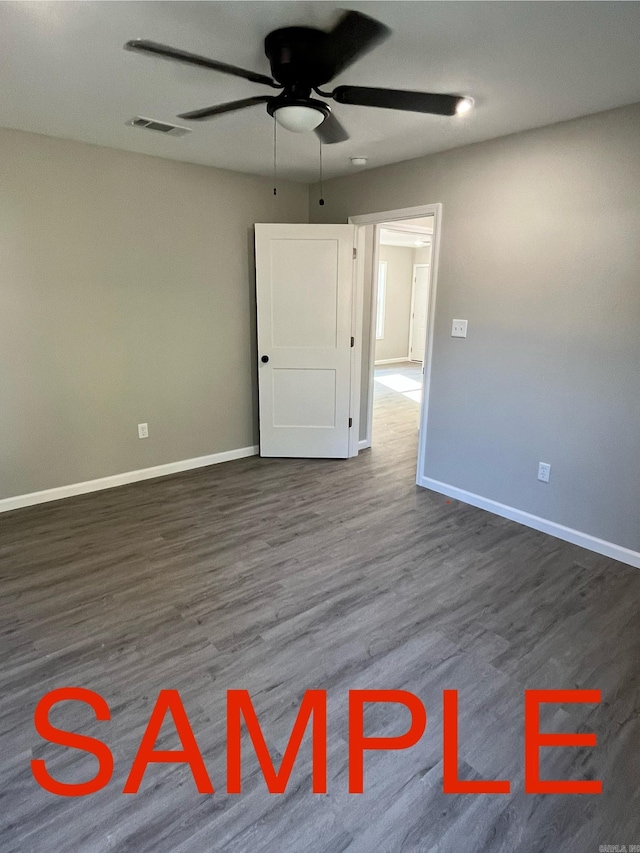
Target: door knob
{"points": [[264, 359]]}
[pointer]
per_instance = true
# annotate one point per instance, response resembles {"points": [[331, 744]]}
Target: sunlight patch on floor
{"points": [[404, 385]]}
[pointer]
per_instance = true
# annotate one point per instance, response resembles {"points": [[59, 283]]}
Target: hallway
{"points": [[396, 408]]}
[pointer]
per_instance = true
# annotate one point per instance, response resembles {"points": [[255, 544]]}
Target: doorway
{"points": [[398, 276]]}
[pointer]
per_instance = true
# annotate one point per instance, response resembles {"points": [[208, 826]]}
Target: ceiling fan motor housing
{"points": [[298, 59]]}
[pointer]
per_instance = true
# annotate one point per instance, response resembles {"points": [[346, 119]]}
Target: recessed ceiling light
{"points": [[463, 106], [358, 161]]}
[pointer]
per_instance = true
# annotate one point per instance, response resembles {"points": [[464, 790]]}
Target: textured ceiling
{"points": [[527, 64]]}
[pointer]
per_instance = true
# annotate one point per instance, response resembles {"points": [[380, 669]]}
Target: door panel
{"points": [[304, 398], [304, 316], [304, 284]]}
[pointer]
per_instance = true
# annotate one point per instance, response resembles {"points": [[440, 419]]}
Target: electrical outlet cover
{"points": [[544, 472]]}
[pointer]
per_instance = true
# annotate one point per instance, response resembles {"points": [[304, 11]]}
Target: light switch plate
{"points": [[459, 329]]}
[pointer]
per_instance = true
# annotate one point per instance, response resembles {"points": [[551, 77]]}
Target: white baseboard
{"points": [[363, 444], [576, 537], [33, 498], [392, 360]]}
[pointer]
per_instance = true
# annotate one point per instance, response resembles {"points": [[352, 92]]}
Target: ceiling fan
{"points": [[302, 59]]}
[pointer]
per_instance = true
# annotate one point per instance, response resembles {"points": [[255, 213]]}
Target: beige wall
{"points": [[395, 343], [126, 295], [550, 370], [422, 256]]}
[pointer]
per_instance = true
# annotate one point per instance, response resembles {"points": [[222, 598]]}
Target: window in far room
{"points": [[382, 293]]}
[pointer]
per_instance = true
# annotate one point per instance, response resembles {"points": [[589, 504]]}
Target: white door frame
{"points": [[357, 296], [413, 300], [377, 219]]}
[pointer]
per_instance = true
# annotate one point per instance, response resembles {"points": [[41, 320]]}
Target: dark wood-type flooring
{"points": [[278, 576]]}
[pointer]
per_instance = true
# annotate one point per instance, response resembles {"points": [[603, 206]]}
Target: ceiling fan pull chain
{"points": [[321, 202], [275, 156]]}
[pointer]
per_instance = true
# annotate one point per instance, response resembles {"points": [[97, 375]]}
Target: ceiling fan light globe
{"points": [[298, 118]]}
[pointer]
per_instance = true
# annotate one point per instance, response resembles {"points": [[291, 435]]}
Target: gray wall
{"points": [[541, 253], [126, 295], [399, 260]]}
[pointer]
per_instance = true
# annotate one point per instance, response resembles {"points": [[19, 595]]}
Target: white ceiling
{"points": [[527, 64], [404, 239]]}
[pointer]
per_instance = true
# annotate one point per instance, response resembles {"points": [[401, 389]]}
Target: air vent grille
{"points": [[158, 126]]}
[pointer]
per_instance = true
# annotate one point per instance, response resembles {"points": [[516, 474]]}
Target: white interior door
{"points": [[304, 291], [419, 311]]}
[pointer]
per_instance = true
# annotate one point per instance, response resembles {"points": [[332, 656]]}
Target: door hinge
{"points": [[353, 341], [350, 422], [355, 253]]}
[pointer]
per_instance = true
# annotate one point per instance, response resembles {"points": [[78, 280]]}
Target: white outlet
{"points": [[143, 430], [459, 329], [544, 471]]}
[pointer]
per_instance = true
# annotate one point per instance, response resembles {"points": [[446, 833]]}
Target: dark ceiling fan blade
{"points": [[331, 131], [398, 99], [154, 49], [229, 107], [353, 36]]}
